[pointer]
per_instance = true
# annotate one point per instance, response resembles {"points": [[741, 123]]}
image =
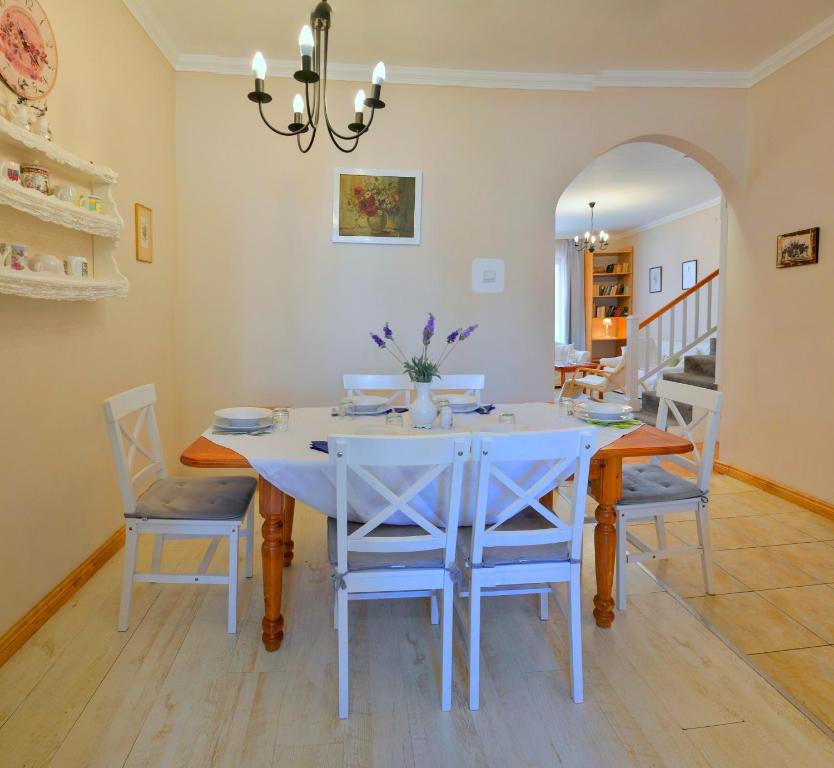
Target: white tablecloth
{"points": [[286, 460]]}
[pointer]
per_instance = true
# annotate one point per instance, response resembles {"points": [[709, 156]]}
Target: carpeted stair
{"points": [[698, 370]]}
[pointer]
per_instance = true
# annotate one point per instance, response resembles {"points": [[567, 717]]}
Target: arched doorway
{"points": [[659, 231]]}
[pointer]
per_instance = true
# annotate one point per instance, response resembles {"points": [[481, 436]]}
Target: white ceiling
{"points": [[570, 37], [634, 185]]}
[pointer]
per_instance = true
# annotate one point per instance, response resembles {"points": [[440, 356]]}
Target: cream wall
{"points": [[272, 311], [697, 236], [779, 364], [114, 103]]}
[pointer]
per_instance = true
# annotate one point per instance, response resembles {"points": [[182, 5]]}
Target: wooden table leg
{"points": [[289, 544], [608, 491], [272, 509]]}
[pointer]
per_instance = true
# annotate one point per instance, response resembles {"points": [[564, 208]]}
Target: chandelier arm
{"points": [[273, 128], [305, 150]]}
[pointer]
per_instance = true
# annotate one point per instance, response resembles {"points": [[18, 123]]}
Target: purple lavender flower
{"points": [[467, 332], [378, 341], [452, 337], [387, 332], [428, 331]]}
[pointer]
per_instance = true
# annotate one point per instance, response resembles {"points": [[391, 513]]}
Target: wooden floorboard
{"points": [[176, 690]]}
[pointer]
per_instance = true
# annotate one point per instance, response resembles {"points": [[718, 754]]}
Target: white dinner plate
{"points": [[369, 403], [465, 408], [243, 417], [457, 399], [604, 409]]}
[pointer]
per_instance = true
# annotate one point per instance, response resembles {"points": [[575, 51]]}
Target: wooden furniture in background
{"points": [[277, 510], [605, 339]]}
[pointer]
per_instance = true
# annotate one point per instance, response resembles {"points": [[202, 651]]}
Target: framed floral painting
{"points": [[374, 206]]}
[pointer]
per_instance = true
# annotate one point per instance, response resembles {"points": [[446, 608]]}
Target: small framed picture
{"points": [[144, 233], [376, 206], [655, 279], [689, 274], [795, 249]]}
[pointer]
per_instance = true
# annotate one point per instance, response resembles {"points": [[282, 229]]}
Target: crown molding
{"points": [[153, 28], [712, 203], [804, 43], [476, 78]]}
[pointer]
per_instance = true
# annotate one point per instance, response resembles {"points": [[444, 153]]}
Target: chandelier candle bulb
{"points": [[378, 77], [359, 119], [259, 95], [259, 66], [297, 123], [305, 41]]}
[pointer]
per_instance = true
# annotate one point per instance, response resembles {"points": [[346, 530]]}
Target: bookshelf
{"points": [[609, 297]]}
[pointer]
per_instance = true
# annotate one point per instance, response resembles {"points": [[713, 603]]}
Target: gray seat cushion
{"points": [[196, 498], [645, 483], [527, 520], [363, 561]]}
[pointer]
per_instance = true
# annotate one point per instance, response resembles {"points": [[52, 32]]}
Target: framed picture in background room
{"points": [[144, 233], [689, 274], [655, 279], [374, 206]]}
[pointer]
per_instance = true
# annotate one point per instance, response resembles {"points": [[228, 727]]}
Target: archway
{"points": [[663, 204]]}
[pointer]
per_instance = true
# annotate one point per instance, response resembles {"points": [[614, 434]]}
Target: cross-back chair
{"points": [[379, 560], [399, 385], [470, 383], [528, 546], [651, 492], [172, 507]]}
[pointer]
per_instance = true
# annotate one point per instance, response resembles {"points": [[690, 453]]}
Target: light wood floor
{"points": [[176, 690]]}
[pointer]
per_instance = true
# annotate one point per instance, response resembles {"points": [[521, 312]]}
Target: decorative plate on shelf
{"points": [[29, 54]]}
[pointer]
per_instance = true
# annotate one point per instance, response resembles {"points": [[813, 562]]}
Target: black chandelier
{"points": [[313, 73], [591, 241]]}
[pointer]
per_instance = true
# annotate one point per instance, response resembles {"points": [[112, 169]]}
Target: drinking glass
{"points": [[394, 419], [506, 418], [567, 405], [281, 419], [347, 408]]}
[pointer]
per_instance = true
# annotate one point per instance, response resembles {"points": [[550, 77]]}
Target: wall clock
{"points": [[28, 53]]}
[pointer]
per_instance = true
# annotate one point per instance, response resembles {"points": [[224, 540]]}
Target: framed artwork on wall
{"points": [[144, 233], [655, 279], [689, 274], [375, 206], [795, 249]]}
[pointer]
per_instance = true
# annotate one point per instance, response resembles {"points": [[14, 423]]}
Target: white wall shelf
{"points": [[105, 228]]}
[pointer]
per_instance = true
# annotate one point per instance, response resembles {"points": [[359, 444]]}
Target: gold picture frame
{"points": [[796, 249], [144, 233]]}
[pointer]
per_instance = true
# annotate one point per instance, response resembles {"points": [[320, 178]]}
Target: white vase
{"points": [[423, 410]]}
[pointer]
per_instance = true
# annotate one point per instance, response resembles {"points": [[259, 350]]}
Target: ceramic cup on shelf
{"points": [[20, 114], [14, 256], [65, 193], [11, 171], [91, 203], [76, 266], [34, 176]]}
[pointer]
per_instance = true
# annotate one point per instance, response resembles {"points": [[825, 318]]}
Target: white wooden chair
{"points": [[529, 546], [172, 507], [651, 492], [399, 385], [378, 560], [470, 383]]}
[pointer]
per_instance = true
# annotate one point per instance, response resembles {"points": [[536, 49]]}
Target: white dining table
{"points": [[286, 460]]}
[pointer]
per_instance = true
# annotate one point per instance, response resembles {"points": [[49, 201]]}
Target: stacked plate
{"points": [[242, 420], [460, 403], [595, 411], [370, 405]]}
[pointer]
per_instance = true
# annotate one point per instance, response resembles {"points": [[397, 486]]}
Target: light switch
{"points": [[488, 276]]}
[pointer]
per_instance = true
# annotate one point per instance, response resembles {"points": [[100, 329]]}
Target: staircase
{"points": [[698, 370], [659, 342]]}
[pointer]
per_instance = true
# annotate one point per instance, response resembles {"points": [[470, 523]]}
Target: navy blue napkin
{"points": [[319, 445], [485, 409]]}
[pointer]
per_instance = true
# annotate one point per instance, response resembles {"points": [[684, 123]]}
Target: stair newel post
{"points": [[631, 351]]}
